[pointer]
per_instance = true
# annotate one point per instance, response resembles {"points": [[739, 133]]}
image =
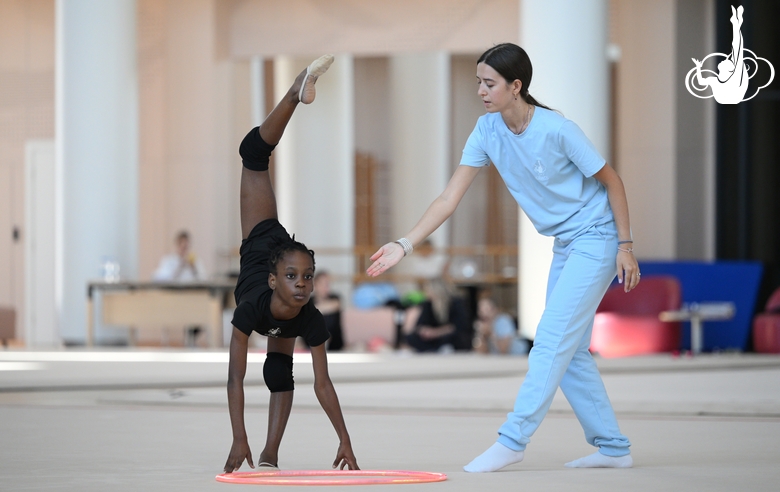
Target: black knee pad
{"points": [[278, 372], [254, 151]]}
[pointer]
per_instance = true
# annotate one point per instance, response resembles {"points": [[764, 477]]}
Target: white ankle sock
{"points": [[598, 460], [496, 457]]}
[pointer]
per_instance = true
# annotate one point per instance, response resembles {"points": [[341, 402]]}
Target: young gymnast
{"points": [[273, 294], [569, 192]]}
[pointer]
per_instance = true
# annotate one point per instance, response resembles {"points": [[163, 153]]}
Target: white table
{"points": [[697, 313], [139, 304]]}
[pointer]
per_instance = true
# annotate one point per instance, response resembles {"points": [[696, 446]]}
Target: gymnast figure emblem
{"points": [[730, 84]]}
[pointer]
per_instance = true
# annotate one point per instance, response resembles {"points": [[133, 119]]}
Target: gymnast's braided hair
{"points": [[282, 246]]}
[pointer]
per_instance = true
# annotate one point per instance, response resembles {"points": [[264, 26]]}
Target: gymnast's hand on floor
{"points": [[388, 256], [345, 457], [238, 453]]}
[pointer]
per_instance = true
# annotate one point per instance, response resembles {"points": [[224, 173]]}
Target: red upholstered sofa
{"points": [[766, 327], [628, 324]]}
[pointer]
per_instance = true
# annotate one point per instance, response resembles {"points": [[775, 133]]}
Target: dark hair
{"points": [[512, 63], [183, 234], [284, 246]]}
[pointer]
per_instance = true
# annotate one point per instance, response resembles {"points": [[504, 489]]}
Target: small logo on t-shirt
{"points": [[274, 332], [539, 171]]}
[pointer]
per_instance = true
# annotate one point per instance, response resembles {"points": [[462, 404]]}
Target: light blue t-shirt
{"points": [[548, 169], [504, 327]]}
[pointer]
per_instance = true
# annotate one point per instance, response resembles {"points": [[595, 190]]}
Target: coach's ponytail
{"points": [[512, 63]]}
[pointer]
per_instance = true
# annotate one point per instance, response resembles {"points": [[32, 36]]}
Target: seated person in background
{"points": [[443, 323], [496, 332], [181, 266], [329, 304], [427, 263]]}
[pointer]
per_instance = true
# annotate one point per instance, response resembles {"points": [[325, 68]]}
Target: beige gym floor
{"points": [[135, 420]]}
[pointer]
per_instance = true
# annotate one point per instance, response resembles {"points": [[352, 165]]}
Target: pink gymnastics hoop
{"points": [[308, 477]]}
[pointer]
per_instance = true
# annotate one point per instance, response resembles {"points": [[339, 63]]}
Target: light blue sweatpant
{"points": [[580, 274]]}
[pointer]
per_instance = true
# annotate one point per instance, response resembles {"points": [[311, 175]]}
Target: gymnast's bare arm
{"points": [[326, 394], [239, 451]]}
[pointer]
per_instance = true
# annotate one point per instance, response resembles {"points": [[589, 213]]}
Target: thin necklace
{"points": [[527, 120]]}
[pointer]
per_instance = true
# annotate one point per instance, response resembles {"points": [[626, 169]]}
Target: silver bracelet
{"points": [[406, 245]]}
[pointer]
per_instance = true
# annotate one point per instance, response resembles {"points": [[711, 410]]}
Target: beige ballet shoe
{"points": [[318, 67]]}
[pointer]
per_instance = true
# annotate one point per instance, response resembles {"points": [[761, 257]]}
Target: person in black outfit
{"points": [[329, 304], [444, 321], [273, 295]]}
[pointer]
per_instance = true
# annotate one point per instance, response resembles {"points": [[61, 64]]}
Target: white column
{"points": [[257, 90], [315, 162], [566, 41], [96, 149], [40, 313], [420, 136]]}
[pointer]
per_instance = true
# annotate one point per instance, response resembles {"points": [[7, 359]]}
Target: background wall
{"points": [[194, 78], [369, 27], [26, 113], [694, 136], [646, 131], [194, 106]]}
